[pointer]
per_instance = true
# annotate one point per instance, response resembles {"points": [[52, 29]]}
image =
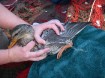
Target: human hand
{"points": [[19, 54], [52, 24]]}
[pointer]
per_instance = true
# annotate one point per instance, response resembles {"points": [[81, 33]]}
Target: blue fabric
{"points": [[86, 59]]}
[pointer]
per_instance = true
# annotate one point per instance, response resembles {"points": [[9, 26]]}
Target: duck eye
{"points": [[16, 34]]}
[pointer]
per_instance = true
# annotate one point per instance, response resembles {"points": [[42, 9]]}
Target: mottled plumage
{"points": [[55, 42], [24, 34]]}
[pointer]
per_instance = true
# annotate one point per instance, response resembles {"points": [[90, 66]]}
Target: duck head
{"points": [[21, 35]]}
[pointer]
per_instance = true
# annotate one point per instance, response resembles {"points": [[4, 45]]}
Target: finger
{"points": [[29, 46], [39, 39], [37, 35], [58, 23], [38, 53], [37, 58], [54, 27]]}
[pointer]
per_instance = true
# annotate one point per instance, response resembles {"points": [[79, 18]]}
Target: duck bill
{"points": [[13, 42]]}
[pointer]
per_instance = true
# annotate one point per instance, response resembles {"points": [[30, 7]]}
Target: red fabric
{"points": [[24, 73], [79, 5], [12, 65], [97, 15], [60, 9]]}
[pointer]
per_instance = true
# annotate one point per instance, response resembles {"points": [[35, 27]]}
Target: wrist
{"points": [[9, 56], [4, 57]]}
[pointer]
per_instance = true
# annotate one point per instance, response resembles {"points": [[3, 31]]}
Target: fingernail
{"points": [[44, 42], [63, 29], [58, 33], [48, 50]]}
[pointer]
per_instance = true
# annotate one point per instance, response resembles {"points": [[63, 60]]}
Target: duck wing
{"points": [[55, 42]]}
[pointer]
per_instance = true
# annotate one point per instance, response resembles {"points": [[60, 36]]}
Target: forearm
{"points": [[4, 57], [8, 19]]}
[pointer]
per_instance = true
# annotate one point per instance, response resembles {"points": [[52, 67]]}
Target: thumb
{"points": [[39, 39], [29, 46]]}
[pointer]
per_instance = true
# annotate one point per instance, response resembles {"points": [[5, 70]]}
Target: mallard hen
{"points": [[23, 34]]}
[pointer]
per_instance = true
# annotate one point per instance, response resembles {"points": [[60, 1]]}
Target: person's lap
{"points": [[86, 59]]}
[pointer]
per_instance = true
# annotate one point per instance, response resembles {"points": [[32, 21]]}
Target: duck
{"points": [[23, 34]]}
